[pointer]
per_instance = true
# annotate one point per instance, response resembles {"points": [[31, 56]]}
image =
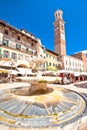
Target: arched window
{"points": [[6, 32], [18, 38]]}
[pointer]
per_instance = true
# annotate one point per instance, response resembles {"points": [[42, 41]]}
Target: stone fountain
{"points": [[39, 106]]}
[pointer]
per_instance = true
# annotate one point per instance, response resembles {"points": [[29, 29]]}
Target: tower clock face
{"points": [[62, 36]]}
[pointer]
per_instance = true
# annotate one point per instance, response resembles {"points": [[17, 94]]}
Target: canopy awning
{"points": [[83, 73], [13, 72], [22, 66], [9, 63], [24, 71], [3, 70]]}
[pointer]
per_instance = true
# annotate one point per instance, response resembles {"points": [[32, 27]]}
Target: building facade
{"points": [[73, 64], [82, 56], [51, 60], [22, 47], [18, 45]]}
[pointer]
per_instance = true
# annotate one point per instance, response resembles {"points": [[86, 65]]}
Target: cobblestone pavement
{"points": [[80, 87], [83, 127], [12, 85]]}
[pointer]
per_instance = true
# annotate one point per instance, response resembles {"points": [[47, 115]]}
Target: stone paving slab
{"points": [[83, 127], [12, 85]]}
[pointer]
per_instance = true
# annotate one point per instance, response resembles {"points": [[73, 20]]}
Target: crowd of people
{"points": [[71, 78]]}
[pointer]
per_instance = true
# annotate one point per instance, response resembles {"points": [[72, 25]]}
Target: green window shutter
{"points": [[27, 49], [0, 53], [46, 63], [18, 46], [0, 50], [5, 42]]}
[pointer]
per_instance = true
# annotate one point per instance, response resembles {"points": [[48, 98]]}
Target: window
{"points": [[53, 64], [13, 34], [6, 54], [36, 53], [20, 56], [43, 51], [76, 64], [6, 32], [14, 55], [32, 44], [49, 56], [46, 63], [26, 58], [66, 62], [59, 14], [27, 50], [18, 38], [70, 63], [5, 42], [49, 63], [18, 46], [46, 55], [0, 50]]}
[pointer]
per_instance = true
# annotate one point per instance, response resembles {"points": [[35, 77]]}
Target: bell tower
{"points": [[59, 34]]}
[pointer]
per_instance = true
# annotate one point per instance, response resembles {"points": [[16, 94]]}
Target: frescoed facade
{"points": [[20, 46]]}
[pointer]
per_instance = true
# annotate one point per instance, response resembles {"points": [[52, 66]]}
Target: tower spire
{"points": [[58, 14]]}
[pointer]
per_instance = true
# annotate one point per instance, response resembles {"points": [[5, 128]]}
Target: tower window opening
{"points": [[59, 14]]}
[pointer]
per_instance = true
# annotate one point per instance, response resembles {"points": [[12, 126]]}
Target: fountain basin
{"points": [[46, 106]]}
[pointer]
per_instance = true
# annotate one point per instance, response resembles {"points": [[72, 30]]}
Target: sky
{"points": [[37, 17]]}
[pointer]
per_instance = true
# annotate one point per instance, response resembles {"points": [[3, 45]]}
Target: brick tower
{"points": [[59, 34]]}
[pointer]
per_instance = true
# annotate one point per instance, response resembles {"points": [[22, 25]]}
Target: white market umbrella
{"points": [[13, 72]]}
